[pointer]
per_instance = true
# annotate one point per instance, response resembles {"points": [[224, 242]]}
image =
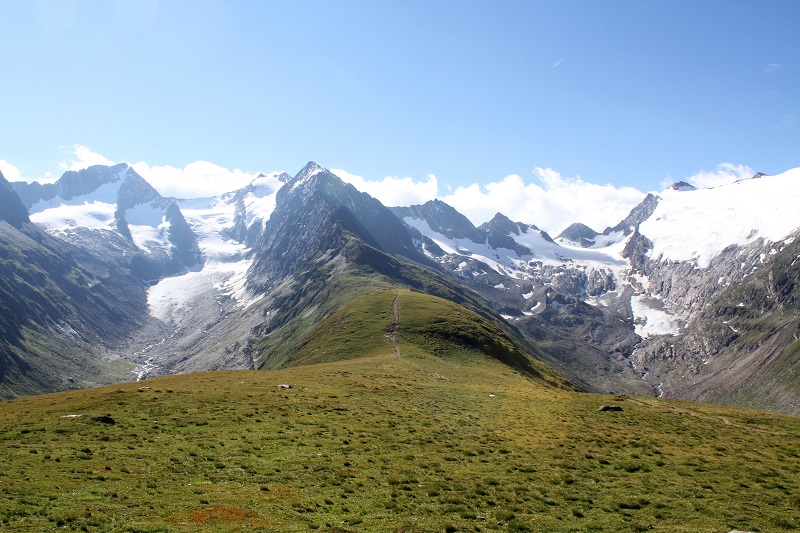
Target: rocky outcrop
{"points": [[443, 219], [638, 214], [11, 208], [499, 230]]}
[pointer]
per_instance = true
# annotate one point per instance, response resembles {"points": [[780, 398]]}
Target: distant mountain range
{"points": [[692, 295]]}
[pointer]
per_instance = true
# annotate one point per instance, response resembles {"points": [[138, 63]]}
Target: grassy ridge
{"points": [[423, 325], [418, 443]]}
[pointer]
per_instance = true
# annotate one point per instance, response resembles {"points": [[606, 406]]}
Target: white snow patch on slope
{"points": [[106, 193], [148, 227], [224, 271], [507, 262], [697, 225], [649, 321], [259, 207], [172, 298], [94, 215]]}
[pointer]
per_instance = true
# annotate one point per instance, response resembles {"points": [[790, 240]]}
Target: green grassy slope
{"points": [[415, 324], [345, 269], [415, 443]]}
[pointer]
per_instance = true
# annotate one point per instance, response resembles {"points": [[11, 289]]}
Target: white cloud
{"points": [[724, 173], [83, 157], [552, 204], [195, 180], [772, 67], [393, 191], [10, 172]]}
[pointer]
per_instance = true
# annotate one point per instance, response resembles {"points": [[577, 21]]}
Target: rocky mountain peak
{"points": [[311, 179], [682, 186], [503, 224], [11, 208], [580, 234], [311, 169], [638, 214], [305, 209], [442, 218], [81, 182], [135, 190]]}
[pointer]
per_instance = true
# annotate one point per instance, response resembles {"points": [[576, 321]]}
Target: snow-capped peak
{"points": [[309, 171], [696, 225]]}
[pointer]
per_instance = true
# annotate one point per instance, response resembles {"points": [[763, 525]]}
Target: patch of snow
{"points": [[147, 214], [734, 214], [528, 295], [148, 238], [649, 321], [506, 261], [94, 215], [148, 228], [106, 194]]}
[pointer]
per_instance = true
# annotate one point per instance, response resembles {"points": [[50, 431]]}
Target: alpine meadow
{"points": [[449, 266]]}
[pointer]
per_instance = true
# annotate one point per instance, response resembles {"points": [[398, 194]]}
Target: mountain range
{"points": [[693, 295]]}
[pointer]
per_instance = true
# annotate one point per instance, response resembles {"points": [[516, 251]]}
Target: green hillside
{"points": [[342, 270], [414, 324], [419, 442]]}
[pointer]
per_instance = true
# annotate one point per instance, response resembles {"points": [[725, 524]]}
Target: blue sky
{"points": [[624, 94]]}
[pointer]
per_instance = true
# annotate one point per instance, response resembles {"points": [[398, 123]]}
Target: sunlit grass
{"points": [[387, 444]]}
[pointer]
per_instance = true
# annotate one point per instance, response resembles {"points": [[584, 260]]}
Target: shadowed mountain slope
{"points": [[62, 310]]}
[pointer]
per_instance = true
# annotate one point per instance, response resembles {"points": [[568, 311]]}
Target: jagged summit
{"points": [[638, 214], [307, 172], [682, 186], [442, 218], [114, 208], [307, 212]]}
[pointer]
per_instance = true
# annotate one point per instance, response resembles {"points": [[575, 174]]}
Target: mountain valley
{"points": [[240, 281]]}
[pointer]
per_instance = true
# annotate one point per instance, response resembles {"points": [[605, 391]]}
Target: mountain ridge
{"points": [[593, 305]]}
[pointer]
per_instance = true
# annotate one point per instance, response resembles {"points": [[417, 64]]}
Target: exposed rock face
{"points": [[638, 214], [498, 233], [11, 208], [743, 320], [682, 186], [305, 207], [442, 218], [579, 234]]}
